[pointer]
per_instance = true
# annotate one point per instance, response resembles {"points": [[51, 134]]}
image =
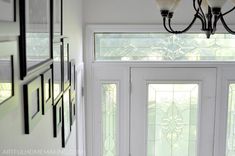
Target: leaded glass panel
{"points": [[109, 119], [163, 47], [231, 122], [172, 119]]}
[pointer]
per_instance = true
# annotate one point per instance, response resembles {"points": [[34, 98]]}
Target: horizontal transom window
{"points": [[163, 47]]}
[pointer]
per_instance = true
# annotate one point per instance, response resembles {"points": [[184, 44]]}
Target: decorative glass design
{"points": [[172, 119], [163, 47], [109, 119], [231, 122]]}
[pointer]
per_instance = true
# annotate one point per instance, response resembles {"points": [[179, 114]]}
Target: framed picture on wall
{"points": [[72, 79], [6, 77], [7, 10], [57, 71], [32, 103], [57, 117], [66, 125], [8, 63], [66, 73], [57, 18], [46, 90], [35, 38]]}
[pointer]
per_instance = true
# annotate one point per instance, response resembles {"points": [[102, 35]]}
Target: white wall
{"points": [[73, 28], [12, 137], [73, 22]]}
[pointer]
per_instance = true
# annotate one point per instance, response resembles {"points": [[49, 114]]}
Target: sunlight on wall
{"points": [[5, 91]]}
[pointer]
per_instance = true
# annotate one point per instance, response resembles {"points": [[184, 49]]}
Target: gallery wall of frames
{"points": [[44, 66]]}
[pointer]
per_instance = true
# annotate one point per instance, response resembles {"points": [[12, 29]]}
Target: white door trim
{"points": [[90, 66]]}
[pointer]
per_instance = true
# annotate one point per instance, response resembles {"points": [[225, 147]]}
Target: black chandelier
{"points": [[207, 11]]}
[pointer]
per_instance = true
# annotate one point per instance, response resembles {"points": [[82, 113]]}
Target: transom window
{"points": [[163, 47]]}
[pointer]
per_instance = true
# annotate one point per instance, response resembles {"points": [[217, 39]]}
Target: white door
{"points": [[172, 111]]}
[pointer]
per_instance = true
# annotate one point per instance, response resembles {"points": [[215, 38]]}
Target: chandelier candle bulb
{"points": [[175, 5], [165, 4], [204, 6], [233, 1], [216, 3]]}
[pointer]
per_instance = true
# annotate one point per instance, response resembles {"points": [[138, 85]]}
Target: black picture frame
{"points": [[57, 19], [57, 71], [73, 108], [6, 78], [66, 64], [72, 77], [46, 91], [66, 118], [57, 117], [36, 28], [9, 9], [32, 103]]}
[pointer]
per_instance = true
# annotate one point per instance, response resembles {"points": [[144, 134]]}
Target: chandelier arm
{"points": [[203, 21], [226, 26], [165, 26], [228, 11], [199, 6], [169, 24], [194, 5], [197, 9], [184, 30], [216, 19]]}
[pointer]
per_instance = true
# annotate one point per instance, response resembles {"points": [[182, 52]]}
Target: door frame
{"points": [[204, 77]]}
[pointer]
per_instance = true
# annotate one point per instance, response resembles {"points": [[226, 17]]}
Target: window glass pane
{"points": [[231, 122], [66, 61], [109, 119], [57, 69], [163, 47], [172, 119], [37, 32]]}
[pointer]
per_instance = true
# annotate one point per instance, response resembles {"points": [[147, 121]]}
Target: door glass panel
{"points": [[109, 119], [231, 122], [172, 119]]}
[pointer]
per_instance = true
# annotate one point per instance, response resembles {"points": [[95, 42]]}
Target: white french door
{"points": [[172, 111]]}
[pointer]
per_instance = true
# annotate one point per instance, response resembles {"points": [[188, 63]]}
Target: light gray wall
{"points": [[12, 137], [136, 12]]}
